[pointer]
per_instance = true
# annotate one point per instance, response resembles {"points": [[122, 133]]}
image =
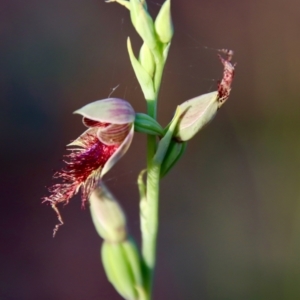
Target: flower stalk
{"points": [[149, 68], [150, 200]]}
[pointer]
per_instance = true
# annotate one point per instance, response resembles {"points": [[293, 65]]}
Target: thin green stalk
{"points": [[149, 237], [160, 64], [151, 139], [152, 196]]}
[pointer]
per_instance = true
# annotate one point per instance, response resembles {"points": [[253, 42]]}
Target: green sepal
{"points": [[165, 52], [164, 143], [145, 124], [175, 151], [163, 23], [142, 75]]}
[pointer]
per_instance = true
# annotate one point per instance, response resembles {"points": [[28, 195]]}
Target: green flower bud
{"points": [[107, 215], [196, 113], [163, 23], [146, 59], [122, 266], [133, 258], [142, 75], [175, 151], [145, 124], [143, 22]]}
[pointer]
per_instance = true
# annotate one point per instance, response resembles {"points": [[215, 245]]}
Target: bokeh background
{"points": [[230, 210]]}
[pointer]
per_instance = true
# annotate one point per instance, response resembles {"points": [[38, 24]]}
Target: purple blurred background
{"points": [[230, 210]]}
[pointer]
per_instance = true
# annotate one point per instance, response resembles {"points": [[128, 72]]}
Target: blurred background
{"points": [[230, 209]]}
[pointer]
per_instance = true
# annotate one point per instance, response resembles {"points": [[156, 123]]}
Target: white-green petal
{"points": [[119, 152], [111, 110], [197, 112], [113, 133]]}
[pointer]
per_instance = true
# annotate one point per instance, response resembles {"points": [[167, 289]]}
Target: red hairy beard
{"points": [[83, 170]]}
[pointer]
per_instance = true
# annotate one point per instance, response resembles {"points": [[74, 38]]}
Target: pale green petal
{"points": [[114, 133], [197, 112], [111, 110], [119, 152]]}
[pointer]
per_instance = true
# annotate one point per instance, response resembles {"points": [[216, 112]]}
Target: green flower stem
{"points": [[152, 109], [151, 139], [149, 235], [149, 204], [160, 64]]}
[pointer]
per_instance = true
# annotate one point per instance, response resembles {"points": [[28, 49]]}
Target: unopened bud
{"points": [[146, 59], [143, 22], [163, 23], [143, 77], [107, 215], [123, 269]]}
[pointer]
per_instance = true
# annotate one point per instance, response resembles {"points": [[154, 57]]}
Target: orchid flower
{"points": [[199, 111], [93, 154]]}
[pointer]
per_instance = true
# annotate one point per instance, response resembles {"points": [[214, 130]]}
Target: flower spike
{"points": [[94, 153]]}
